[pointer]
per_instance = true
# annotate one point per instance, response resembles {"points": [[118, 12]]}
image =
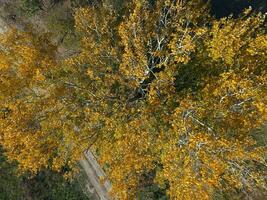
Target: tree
{"points": [[175, 65], [13, 191], [163, 93], [29, 99]]}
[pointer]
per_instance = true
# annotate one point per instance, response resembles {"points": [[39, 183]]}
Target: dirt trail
{"points": [[95, 174]]}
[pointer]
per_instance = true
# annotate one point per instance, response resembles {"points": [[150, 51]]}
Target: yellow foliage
{"points": [[162, 92]]}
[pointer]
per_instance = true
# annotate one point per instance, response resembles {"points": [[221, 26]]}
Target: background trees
{"points": [[46, 185]]}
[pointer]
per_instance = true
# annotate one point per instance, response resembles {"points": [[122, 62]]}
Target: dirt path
{"points": [[2, 26], [95, 174]]}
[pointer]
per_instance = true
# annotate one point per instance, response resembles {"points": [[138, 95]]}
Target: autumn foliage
{"points": [[161, 91]]}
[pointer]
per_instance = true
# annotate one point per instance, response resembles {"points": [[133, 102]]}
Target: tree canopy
{"points": [[161, 91]]}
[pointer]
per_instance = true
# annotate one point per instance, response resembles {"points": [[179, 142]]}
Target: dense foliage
{"points": [[166, 96], [45, 185], [31, 6]]}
